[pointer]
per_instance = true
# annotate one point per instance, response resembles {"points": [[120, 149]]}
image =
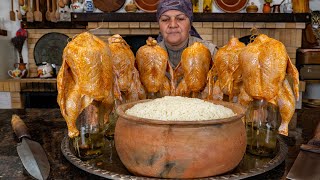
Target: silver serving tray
{"points": [[109, 165]]}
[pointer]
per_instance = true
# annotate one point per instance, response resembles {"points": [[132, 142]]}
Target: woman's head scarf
{"points": [[184, 6]]}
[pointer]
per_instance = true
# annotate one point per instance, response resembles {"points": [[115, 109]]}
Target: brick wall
{"points": [[290, 34]]}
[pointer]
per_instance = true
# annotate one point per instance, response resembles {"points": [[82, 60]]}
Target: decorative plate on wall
{"points": [[49, 48], [108, 5], [231, 6], [147, 5]]}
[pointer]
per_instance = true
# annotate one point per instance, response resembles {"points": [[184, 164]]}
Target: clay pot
{"points": [[252, 8], [266, 8], [131, 7], [180, 149]]}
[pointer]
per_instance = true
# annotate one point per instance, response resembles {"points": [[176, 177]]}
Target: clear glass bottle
{"points": [[262, 124], [287, 7]]}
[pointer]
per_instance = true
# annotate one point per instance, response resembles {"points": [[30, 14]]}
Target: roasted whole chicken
{"points": [[227, 68], [153, 64], [124, 67], [191, 73], [85, 78], [265, 64]]}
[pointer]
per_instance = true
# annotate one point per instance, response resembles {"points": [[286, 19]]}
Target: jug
{"points": [[45, 70], [16, 73], [20, 71], [76, 6], [287, 7], [88, 6], [276, 8]]}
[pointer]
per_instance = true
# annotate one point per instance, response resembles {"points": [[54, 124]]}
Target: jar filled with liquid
{"points": [[91, 140], [262, 128]]}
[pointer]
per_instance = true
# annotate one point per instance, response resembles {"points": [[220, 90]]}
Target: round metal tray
{"points": [[109, 165], [49, 48]]}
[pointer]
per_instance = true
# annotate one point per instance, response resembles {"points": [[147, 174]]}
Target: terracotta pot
{"points": [[180, 149], [266, 8]]}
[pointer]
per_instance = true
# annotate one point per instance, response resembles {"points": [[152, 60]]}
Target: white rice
{"points": [[179, 108]]}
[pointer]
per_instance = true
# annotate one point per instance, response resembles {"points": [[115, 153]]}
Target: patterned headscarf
{"points": [[184, 6]]}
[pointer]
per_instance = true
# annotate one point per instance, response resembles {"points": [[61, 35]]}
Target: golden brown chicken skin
{"points": [[227, 67], [153, 64], [193, 69], [85, 77], [264, 65], [124, 66]]}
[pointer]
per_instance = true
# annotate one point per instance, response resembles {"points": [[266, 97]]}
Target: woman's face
{"points": [[174, 27]]}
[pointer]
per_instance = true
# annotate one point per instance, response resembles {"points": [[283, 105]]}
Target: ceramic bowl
{"points": [[180, 149]]}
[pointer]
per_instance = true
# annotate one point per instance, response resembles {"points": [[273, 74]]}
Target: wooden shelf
{"points": [[52, 25], [80, 20], [198, 17], [34, 80]]}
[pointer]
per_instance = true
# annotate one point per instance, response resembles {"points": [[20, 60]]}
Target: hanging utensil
{"points": [[12, 14], [37, 13], [29, 13], [61, 4], [66, 2], [19, 15], [48, 11], [57, 11], [31, 153], [53, 12]]}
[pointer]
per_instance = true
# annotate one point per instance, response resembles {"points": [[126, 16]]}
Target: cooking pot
{"points": [[180, 149]]}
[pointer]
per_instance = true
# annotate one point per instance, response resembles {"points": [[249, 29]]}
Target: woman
{"points": [[176, 31]]}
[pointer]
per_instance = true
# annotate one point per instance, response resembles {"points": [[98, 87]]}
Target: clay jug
{"points": [[23, 68], [266, 8]]}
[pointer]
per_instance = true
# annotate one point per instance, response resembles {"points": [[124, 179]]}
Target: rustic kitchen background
{"points": [[290, 33]]}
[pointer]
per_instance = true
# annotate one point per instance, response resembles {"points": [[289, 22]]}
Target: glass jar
{"points": [[287, 7], [262, 128], [91, 141]]}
